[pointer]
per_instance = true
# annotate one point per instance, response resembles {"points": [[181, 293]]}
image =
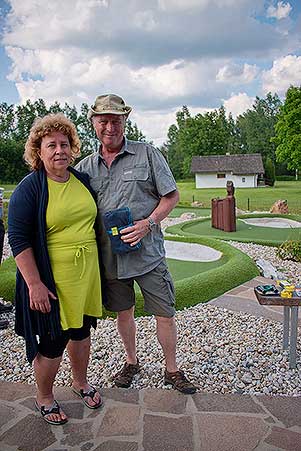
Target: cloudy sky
{"points": [[157, 54]]}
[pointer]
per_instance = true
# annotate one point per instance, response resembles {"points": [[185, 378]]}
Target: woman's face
{"points": [[55, 153]]}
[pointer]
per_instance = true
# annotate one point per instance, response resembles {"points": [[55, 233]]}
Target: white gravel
{"points": [[220, 350]]}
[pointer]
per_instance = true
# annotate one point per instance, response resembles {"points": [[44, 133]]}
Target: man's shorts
{"points": [[157, 289]]}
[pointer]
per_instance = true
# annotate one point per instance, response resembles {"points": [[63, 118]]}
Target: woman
{"points": [[51, 233]]}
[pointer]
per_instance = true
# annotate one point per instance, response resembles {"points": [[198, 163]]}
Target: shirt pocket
{"points": [[138, 172]]}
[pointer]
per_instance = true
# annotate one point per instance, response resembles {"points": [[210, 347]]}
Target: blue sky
{"points": [[157, 54]]}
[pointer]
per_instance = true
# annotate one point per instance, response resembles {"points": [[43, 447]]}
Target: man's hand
{"points": [[39, 297], [132, 235]]}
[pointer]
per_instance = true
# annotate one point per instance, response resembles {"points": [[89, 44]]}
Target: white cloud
{"points": [[238, 103], [286, 71], [237, 74], [68, 75], [182, 5], [155, 124], [158, 55], [281, 11]]}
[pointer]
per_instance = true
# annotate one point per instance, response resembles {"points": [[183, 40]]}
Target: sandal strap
{"points": [[54, 408], [180, 380], [90, 393]]}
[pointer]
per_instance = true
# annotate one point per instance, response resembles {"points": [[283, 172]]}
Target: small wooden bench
{"points": [[290, 321]]}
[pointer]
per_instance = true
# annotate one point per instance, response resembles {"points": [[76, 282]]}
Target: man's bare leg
{"points": [[127, 330], [167, 337]]}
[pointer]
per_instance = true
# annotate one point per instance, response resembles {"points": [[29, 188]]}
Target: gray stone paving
{"points": [[151, 420]]}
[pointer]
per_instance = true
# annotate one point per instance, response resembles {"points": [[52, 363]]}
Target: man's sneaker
{"points": [[124, 377], [179, 382], [5, 308]]}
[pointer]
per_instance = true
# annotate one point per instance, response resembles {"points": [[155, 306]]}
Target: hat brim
{"points": [[126, 111]]}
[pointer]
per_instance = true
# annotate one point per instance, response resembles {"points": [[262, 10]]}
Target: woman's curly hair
{"points": [[44, 126]]}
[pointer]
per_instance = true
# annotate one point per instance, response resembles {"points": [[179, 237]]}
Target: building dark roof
{"points": [[237, 164]]}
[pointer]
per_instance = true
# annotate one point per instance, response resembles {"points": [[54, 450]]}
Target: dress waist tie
{"points": [[81, 250]]}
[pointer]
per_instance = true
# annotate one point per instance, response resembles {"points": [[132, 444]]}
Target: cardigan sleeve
{"points": [[22, 216]]}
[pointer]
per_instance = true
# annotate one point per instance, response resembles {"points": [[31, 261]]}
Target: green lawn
{"points": [[199, 212], [8, 189], [244, 232], [260, 199]]}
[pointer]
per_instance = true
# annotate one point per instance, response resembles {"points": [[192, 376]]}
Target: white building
{"points": [[213, 171]]}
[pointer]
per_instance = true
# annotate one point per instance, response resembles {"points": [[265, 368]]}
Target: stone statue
{"points": [[230, 188]]}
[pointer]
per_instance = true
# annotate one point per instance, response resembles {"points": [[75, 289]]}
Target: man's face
{"points": [[109, 129]]}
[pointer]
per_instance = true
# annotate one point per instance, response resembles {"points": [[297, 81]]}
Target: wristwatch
{"points": [[151, 223]]}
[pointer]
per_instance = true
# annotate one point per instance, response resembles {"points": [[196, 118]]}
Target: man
{"points": [[3, 308], [133, 174]]}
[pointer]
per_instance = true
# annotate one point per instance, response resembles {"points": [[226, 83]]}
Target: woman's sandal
{"points": [[90, 393], [53, 409]]}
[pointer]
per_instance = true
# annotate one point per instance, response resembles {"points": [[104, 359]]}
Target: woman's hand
{"points": [[39, 297], [38, 292]]}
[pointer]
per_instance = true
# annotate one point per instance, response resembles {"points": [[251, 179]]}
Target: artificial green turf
{"points": [[199, 212], [244, 232], [180, 269], [8, 279]]}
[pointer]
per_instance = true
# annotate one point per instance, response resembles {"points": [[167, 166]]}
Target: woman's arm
{"points": [[38, 292]]}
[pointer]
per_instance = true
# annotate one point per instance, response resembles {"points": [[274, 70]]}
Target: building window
{"points": [[221, 176], [243, 179]]}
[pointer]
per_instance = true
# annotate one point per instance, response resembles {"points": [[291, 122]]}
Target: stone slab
{"points": [[13, 391], [285, 409], [210, 402], [245, 305], [112, 445], [30, 433], [121, 420], [7, 413], [284, 439], [76, 433], [230, 432], [164, 401], [167, 433], [127, 395]]}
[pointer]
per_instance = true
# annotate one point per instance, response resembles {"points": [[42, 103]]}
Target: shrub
{"points": [[285, 178], [290, 250], [269, 172]]}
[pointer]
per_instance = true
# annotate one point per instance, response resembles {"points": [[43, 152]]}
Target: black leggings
{"points": [[54, 348]]}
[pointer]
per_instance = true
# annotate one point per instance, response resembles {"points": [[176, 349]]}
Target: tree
{"points": [[132, 132], [256, 127], [270, 172], [12, 165], [288, 130], [205, 134]]}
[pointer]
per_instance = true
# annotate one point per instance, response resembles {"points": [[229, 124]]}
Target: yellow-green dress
{"points": [[72, 247]]}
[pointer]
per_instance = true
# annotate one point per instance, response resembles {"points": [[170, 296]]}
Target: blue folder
{"points": [[115, 221]]}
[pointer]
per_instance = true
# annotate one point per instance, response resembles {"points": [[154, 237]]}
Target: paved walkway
{"points": [[158, 420]]}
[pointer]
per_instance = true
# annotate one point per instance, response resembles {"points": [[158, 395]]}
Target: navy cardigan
{"points": [[27, 228]]}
